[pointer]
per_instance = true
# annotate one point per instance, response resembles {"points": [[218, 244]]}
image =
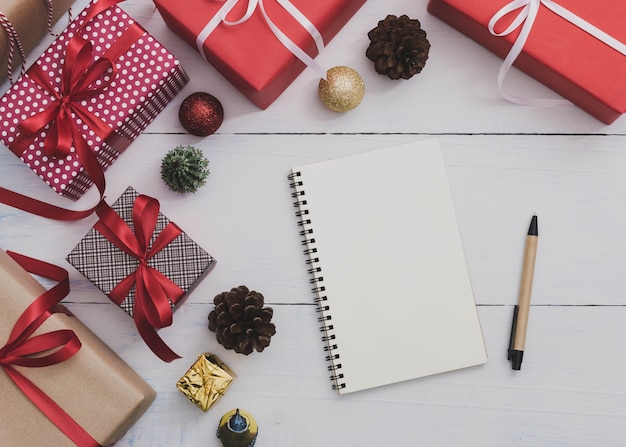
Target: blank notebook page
{"points": [[394, 287]]}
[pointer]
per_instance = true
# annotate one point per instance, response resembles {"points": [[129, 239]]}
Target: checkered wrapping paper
{"points": [[183, 261]]}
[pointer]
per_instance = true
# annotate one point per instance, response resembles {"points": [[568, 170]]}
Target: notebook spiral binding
{"points": [[317, 280]]}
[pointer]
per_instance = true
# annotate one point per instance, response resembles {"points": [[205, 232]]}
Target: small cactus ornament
{"points": [[184, 169]]}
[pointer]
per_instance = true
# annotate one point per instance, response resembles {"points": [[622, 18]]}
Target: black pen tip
{"points": [[533, 230], [516, 359], [513, 328]]}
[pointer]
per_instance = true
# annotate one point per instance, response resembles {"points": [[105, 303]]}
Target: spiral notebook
{"points": [[387, 266]]}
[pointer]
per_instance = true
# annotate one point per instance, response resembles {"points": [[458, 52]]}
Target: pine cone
{"points": [[184, 169], [240, 321], [398, 47]]}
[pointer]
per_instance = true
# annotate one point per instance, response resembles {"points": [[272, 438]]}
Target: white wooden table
{"points": [[504, 162]]}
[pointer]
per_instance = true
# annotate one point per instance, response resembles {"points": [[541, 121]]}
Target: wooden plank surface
{"points": [[504, 163]]}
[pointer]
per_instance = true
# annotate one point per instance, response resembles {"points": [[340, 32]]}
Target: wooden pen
{"points": [[520, 317]]}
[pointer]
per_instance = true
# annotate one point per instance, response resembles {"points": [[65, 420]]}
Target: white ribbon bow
{"points": [[220, 17], [526, 18]]}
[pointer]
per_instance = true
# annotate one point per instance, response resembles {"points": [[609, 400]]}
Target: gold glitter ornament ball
{"points": [[343, 89]]}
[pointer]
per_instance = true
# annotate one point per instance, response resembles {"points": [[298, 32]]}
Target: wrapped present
{"points": [[248, 52], [144, 262], [60, 384], [91, 93], [29, 19], [572, 46], [206, 381]]}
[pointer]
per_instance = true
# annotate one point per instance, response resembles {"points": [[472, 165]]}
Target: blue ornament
{"points": [[237, 428]]}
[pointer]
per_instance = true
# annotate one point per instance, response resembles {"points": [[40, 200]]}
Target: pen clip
{"points": [[513, 328]]}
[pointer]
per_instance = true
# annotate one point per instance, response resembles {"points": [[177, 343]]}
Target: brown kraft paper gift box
{"points": [[95, 387], [29, 18]]}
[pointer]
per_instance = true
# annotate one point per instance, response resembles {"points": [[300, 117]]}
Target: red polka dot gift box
{"points": [[95, 88]]}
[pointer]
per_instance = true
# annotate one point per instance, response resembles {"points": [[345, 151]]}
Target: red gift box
{"points": [[249, 55], [109, 112], [558, 53]]}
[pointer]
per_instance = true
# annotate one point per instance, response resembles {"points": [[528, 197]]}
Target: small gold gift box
{"points": [[206, 381]]}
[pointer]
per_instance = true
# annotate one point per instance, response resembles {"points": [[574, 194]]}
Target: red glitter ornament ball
{"points": [[201, 114]]}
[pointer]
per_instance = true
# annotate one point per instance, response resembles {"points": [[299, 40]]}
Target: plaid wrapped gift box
{"points": [[182, 261], [119, 104]]}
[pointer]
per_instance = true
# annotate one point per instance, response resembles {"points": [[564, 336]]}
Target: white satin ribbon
{"points": [[526, 18], [220, 18]]}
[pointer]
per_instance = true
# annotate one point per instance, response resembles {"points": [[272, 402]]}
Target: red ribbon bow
{"points": [[22, 349], [78, 82], [153, 290]]}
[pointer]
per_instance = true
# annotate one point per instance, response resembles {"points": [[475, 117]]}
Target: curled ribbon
{"points": [[23, 349], [153, 290], [14, 41], [221, 17], [528, 10]]}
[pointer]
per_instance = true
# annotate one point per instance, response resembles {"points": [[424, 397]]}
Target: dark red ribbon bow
{"points": [[78, 82], [23, 349], [153, 290]]}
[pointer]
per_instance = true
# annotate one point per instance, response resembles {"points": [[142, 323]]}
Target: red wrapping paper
{"points": [[249, 55], [148, 77], [557, 53]]}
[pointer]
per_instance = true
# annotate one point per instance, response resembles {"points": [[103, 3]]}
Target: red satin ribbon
{"points": [[78, 74], [153, 290], [23, 349]]}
